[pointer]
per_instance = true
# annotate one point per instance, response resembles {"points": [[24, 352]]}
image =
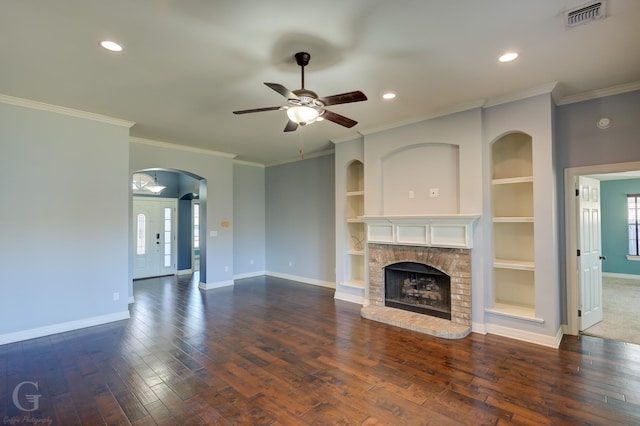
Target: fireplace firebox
{"points": [[417, 287]]}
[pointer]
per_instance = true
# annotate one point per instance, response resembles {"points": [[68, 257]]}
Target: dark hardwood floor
{"points": [[271, 351]]}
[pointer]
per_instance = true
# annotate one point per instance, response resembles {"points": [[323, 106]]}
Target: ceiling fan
{"points": [[305, 107]]}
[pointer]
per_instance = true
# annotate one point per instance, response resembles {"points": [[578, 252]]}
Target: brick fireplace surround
{"points": [[455, 262]]}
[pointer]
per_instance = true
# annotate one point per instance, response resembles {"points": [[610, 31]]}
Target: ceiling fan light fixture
{"points": [[302, 114]]}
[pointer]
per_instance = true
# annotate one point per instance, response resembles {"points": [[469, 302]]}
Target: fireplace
{"points": [[417, 287]]}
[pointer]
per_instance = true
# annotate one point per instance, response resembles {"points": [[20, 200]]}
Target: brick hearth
{"points": [[455, 262]]}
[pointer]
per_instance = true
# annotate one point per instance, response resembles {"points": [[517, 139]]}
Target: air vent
{"points": [[585, 13]]}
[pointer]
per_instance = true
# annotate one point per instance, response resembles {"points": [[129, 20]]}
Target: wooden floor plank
{"points": [[276, 352]]}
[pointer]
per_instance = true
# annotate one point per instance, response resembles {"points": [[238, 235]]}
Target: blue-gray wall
{"points": [[65, 193], [615, 236], [249, 220], [580, 143], [300, 219]]}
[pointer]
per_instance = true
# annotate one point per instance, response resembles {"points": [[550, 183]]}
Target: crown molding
{"points": [[177, 147], [349, 138], [27, 103], [306, 157], [524, 94], [248, 163], [467, 106], [600, 93]]}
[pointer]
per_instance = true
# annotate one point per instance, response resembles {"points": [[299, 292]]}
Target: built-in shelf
{"points": [[354, 221], [512, 180], [513, 219], [355, 193], [356, 252], [523, 312], [522, 265], [513, 225]]}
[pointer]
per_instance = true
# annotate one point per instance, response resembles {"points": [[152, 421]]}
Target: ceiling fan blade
{"points": [[344, 98], [247, 111], [291, 126], [282, 90], [338, 119]]}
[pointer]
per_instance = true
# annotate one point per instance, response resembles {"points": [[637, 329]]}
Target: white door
{"points": [[154, 237], [590, 258]]}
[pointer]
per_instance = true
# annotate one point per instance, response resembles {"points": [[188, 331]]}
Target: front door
{"points": [[154, 237], [590, 258]]}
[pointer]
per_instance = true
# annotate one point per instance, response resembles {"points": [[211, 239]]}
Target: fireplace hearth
{"points": [[417, 287]]}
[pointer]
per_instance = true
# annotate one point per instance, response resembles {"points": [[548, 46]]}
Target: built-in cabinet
{"points": [[355, 227], [513, 226]]}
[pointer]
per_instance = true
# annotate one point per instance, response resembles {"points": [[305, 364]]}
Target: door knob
{"points": [[603, 257]]}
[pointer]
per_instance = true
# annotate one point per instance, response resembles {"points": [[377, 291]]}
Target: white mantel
{"points": [[453, 230]]}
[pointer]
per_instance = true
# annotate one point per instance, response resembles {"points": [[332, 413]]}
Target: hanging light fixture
{"points": [[144, 182], [155, 187]]}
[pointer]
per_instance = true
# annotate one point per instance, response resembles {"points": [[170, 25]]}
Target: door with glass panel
{"points": [[154, 237]]}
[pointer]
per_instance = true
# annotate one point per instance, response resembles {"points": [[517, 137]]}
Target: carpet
{"points": [[621, 311]]}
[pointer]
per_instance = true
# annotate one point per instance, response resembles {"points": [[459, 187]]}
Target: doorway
{"points": [[574, 290], [154, 236]]}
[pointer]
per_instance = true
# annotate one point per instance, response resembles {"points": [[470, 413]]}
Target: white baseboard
{"points": [[185, 271], [249, 275], [349, 297], [305, 280], [211, 286], [479, 328], [48, 330], [625, 276], [526, 336]]}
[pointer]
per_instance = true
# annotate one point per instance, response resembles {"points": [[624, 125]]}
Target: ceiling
{"points": [[188, 64]]}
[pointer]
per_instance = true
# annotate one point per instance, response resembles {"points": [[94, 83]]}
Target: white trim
{"points": [[248, 163], [525, 94], [633, 258], [48, 330], [131, 300], [623, 276], [478, 327], [220, 284], [177, 147], [570, 174], [27, 103], [526, 336], [349, 297], [600, 93], [306, 157], [305, 280], [184, 272], [249, 275]]}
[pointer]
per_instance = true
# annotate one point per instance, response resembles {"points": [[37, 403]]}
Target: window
{"points": [[167, 237], [196, 226], [141, 235], [633, 204]]}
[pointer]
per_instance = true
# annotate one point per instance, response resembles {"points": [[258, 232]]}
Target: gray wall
{"points": [[300, 219], [580, 143], [249, 220], [65, 191]]}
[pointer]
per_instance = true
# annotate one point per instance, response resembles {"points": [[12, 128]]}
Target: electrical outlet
{"points": [[290, 264], [226, 269], [434, 192], [411, 194], [251, 262], [116, 296]]}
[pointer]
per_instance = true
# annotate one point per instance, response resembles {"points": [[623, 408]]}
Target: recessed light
{"points": [[388, 95], [111, 45], [604, 123], [508, 57]]}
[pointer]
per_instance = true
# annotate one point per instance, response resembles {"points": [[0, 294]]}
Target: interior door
{"points": [[154, 237], [590, 258]]}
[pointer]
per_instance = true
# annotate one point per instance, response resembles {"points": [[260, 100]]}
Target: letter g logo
{"points": [[33, 399]]}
